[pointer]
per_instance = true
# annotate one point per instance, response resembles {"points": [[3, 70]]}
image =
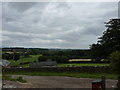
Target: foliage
{"points": [[69, 74], [97, 52], [115, 61], [7, 56], [58, 59], [26, 55], [9, 78], [16, 56], [31, 58], [70, 53], [42, 58], [20, 79], [109, 42], [11, 56]]}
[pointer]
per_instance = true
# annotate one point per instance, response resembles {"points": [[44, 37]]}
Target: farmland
{"points": [[29, 59], [34, 58], [82, 64]]}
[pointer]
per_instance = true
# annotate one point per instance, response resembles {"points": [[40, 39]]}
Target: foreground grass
{"points": [[9, 78], [82, 64], [69, 74]]}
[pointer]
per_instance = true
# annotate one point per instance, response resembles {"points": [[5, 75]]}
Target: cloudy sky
{"points": [[74, 25]]}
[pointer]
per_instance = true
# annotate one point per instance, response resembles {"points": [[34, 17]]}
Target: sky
{"points": [[65, 25]]}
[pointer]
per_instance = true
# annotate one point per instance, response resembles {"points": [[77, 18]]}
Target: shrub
{"points": [[9, 78], [16, 56], [7, 56], [115, 61], [42, 58], [60, 59], [26, 55], [20, 79]]}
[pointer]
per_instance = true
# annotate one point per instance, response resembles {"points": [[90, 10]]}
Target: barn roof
{"points": [[4, 63]]}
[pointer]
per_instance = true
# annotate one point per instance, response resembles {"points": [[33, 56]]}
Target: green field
{"points": [[71, 60], [69, 74], [31, 58], [82, 64]]}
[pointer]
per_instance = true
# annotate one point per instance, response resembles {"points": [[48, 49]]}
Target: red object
{"points": [[96, 86]]}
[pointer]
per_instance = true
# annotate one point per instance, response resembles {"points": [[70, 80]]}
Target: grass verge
{"points": [[69, 74], [9, 78]]}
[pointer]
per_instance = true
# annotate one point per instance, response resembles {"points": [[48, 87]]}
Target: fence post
{"points": [[118, 84], [103, 83]]}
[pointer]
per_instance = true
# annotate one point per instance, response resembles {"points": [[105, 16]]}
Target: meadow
{"points": [[82, 64], [31, 58], [68, 74], [34, 58]]}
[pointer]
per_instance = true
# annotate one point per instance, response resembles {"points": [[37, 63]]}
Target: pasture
{"points": [[34, 58], [69, 74], [82, 64], [29, 59], [71, 60]]}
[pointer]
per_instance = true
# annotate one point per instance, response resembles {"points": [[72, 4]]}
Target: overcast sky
{"points": [[55, 25]]}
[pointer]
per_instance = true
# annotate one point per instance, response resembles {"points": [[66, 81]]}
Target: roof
{"points": [[4, 63]]}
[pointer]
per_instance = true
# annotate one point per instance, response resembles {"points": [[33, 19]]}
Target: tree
{"points": [[96, 52], [16, 56], [60, 59], [111, 37], [7, 56], [42, 58], [110, 41], [115, 63], [26, 55]]}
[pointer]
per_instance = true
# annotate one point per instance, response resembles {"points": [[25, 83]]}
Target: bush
{"points": [[60, 59], [20, 79], [26, 55], [7, 56], [16, 56], [115, 61], [42, 58], [9, 78]]}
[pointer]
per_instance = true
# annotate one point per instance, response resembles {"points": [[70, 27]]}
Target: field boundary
{"points": [[91, 69]]}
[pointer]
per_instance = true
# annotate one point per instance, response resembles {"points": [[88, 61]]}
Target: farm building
{"points": [[4, 63]]}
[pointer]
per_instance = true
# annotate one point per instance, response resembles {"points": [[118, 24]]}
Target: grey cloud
{"points": [[119, 9], [62, 25], [21, 6]]}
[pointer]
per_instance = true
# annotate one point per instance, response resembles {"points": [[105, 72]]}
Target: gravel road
{"points": [[54, 82]]}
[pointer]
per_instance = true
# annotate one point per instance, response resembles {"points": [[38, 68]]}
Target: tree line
{"points": [[108, 46]]}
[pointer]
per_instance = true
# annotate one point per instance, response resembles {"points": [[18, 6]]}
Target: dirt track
{"points": [[55, 82]]}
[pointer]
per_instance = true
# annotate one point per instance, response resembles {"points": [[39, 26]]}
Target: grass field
{"points": [[31, 58], [79, 60], [82, 64], [69, 74]]}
